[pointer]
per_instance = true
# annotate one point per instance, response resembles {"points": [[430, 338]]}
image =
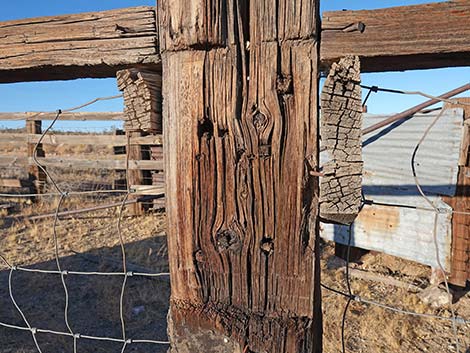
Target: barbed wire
{"points": [[62, 272]]}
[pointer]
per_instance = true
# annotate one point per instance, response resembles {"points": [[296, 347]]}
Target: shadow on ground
{"points": [[94, 302]]}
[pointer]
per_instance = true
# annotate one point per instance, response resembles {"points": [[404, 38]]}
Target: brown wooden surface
{"points": [[94, 44], [134, 176], [142, 91], [412, 37], [11, 183], [185, 24], [341, 124], [79, 116], [240, 140], [77, 139], [37, 177], [460, 267], [66, 162]]}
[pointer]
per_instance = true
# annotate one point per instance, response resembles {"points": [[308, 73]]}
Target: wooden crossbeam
{"points": [[68, 116], [106, 140], [95, 44], [9, 161], [400, 38]]}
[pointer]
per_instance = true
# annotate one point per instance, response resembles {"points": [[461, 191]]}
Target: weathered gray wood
{"points": [[11, 183], [79, 116], [53, 139], [9, 161], [142, 91], [341, 125], [240, 140], [400, 38], [37, 177], [94, 44]]}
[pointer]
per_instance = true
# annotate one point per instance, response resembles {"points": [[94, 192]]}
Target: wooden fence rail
{"points": [[149, 162]]}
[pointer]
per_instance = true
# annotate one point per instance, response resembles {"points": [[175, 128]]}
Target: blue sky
{"points": [[40, 96]]}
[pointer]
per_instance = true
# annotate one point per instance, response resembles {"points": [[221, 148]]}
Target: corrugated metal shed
{"points": [[405, 231]]}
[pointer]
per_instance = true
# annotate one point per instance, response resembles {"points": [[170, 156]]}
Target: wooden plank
{"points": [[151, 190], [400, 38], [76, 139], [57, 162], [240, 140], [11, 183], [94, 44], [79, 116]]}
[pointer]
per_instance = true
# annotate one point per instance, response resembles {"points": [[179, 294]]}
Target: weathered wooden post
{"points": [[37, 177], [142, 108], [240, 86]]}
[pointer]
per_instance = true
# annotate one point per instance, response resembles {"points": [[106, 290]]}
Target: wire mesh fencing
{"points": [[128, 275]]}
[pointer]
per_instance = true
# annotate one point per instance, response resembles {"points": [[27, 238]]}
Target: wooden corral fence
{"points": [[240, 122], [147, 169]]}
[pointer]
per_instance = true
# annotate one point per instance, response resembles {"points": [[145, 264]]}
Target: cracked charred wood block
{"points": [[142, 99], [94, 44], [341, 126], [242, 205]]}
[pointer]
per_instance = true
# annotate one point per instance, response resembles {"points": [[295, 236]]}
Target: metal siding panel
{"points": [[388, 178]]}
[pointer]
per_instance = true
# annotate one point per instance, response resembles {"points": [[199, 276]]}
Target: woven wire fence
{"points": [[349, 294], [65, 274], [124, 340]]}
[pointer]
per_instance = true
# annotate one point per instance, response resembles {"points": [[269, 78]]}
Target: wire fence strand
{"points": [[63, 273]]}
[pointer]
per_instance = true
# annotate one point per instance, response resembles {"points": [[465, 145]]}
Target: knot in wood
{"points": [[267, 246], [260, 120], [227, 240], [205, 128], [284, 85], [199, 256]]}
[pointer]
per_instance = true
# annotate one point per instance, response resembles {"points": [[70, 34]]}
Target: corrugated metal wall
{"points": [[407, 231]]}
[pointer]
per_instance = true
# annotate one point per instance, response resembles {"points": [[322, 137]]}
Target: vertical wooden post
{"points": [[135, 176], [460, 270], [37, 177], [142, 108], [240, 142]]}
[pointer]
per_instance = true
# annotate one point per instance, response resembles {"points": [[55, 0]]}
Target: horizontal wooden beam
{"points": [[73, 163], [11, 183], [148, 189], [106, 140], [95, 44], [400, 38], [66, 116]]}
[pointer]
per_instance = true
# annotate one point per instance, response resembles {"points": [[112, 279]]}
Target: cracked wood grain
{"points": [[341, 124], [95, 44], [240, 141], [142, 94]]}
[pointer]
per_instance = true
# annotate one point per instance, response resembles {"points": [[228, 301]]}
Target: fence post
{"points": [[36, 177], [240, 144], [142, 109]]}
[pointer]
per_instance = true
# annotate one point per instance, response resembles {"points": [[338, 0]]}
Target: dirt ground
{"points": [[89, 242]]}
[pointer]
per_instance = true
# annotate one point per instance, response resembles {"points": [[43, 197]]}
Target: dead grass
{"points": [[95, 301]]}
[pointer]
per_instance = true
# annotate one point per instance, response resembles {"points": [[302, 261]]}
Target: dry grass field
{"points": [[90, 242]]}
